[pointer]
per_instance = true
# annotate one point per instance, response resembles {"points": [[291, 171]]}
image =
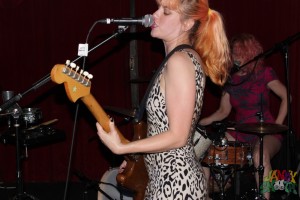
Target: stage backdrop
{"points": [[35, 35]]}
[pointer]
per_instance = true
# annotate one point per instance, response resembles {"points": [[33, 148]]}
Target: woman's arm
{"points": [[280, 90], [179, 89], [222, 112]]}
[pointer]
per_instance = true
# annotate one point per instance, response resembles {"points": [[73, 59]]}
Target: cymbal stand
{"points": [[222, 179], [260, 168], [20, 192]]}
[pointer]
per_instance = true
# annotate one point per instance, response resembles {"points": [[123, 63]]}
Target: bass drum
{"points": [[108, 188]]}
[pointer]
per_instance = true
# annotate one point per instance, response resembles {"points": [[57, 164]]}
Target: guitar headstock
{"points": [[76, 81]]}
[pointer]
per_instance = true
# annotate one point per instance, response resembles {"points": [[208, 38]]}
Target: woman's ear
{"points": [[188, 24]]}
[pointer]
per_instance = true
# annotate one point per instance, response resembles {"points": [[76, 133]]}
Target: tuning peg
{"points": [[68, 62], [90, 76], [77, 68], [73, 65], [88, 82], [85, 80], [80, 75], [85, 73]]}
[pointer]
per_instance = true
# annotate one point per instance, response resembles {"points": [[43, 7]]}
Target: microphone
{"points": [[146, 21], [235, 67]]}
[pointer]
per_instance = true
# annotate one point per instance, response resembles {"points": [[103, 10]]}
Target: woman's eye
{"points": [[167, 11]]}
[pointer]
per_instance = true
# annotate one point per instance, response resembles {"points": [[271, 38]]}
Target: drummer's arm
{"points": [[280, 90], [222, 112]]}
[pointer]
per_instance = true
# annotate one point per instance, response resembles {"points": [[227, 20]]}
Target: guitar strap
{"points": [[140, 113]]}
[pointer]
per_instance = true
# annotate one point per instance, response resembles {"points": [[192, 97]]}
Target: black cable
{"points": [[71, 152], [119, 31], [74, 128]]}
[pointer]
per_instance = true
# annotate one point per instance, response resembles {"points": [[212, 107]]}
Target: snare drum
{"points": [[108, 185], [232, 154]]}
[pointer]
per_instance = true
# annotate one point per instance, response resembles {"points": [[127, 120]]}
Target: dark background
{"points": [[35, 35]]}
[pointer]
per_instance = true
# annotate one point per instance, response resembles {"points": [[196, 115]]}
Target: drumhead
{"points": [[108, 185], [201, 145]]}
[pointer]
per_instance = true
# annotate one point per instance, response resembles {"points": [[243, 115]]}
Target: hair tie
{"points": [[209, 11]]}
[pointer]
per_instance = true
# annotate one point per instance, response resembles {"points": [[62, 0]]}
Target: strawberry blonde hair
{"points": [[245, 47], [207, 36]]}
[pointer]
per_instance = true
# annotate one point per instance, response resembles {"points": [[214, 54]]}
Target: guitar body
{"points": [[77, 86], [134, 176]]}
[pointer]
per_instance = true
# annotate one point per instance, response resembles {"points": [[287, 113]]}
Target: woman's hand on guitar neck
{"points": [[110, 139]]}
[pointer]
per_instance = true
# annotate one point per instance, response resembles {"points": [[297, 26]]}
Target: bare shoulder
{"points": [[181, 58]]}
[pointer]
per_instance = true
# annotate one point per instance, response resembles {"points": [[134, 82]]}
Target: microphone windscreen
{"points": [[235, 67], [148, 20]]}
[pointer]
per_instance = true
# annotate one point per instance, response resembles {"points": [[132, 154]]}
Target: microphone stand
{"points": [[277, 47], [6, 105], [47, 78]]}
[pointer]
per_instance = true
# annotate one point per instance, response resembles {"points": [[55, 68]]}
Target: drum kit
{"points": [[226, 158], [33, 132]]}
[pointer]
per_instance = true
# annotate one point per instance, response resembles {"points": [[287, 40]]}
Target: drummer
{"points": [[247, 92]]}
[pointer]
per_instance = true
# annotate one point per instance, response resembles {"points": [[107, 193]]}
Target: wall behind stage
{"points": [[36, 35]]}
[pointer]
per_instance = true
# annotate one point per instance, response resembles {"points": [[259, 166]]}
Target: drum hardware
{"points": [[216, 131], [31, 116], [225, 158], [260, 129], [41, 135], [221, 176], [202, 138], [20, 191], [16, 132], [34, 136], [15, 110], [7, 96]]}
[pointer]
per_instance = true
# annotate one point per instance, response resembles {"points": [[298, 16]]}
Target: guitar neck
{"points": [[100, 114]]}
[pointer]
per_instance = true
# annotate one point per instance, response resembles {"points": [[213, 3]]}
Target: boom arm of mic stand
{"points": [[277, 47], [47, 78]]}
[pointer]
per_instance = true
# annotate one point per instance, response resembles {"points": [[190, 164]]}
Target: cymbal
{"points": [[121, 111], [261, 128]]}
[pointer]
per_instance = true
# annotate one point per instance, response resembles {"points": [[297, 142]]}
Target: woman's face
{"points": [[167, 24], [239, 55]]}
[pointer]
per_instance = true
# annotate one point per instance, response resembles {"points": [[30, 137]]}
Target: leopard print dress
{"points": [[174, 174]]}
